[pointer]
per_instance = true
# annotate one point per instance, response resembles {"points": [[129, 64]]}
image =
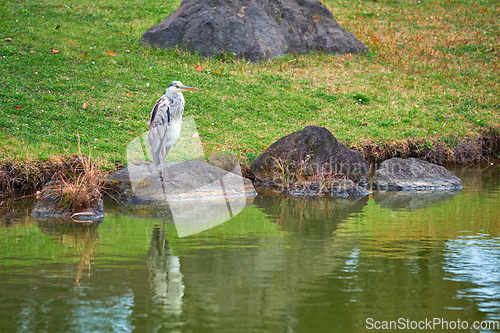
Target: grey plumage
{"points": [[166, 121]]}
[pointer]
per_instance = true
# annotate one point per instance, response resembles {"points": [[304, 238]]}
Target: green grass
{"points": [[432, 72]]}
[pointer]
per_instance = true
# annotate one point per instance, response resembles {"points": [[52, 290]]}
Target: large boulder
{"points": [[397, 174], [310, 153], [184, 181], [253, 29]]}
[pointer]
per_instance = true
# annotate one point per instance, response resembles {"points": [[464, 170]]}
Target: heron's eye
{"points": [[178, 86]]}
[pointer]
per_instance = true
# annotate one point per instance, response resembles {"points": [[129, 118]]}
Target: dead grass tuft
{"points": [[79, 188], [30, 176], [302, 177]]}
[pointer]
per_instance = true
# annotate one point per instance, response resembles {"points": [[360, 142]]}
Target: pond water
{"points": [[280, 265]]}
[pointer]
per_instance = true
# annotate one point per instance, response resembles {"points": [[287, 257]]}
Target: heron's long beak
{"points": [[189, 88]]}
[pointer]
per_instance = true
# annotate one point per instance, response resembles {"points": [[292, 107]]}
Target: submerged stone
{"points": [[345, 188], [412, 174]]}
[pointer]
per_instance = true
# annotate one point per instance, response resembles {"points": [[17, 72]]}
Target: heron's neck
{"points": [[173, 95]]}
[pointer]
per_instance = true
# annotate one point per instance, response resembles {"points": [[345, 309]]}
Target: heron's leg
{"points": [[162, 161], [164, 151], [162, 167]]}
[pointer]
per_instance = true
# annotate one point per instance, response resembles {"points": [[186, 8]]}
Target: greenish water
{"points": [[280, 265]]}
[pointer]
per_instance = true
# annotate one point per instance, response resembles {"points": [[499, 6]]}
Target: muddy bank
{"points": [[29, 177], [457, 152]]}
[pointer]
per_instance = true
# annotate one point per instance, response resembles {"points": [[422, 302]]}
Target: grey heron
{"points": [[166, 121]]}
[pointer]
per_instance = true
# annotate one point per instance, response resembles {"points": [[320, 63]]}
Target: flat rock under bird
{"points": [[166, 121]]}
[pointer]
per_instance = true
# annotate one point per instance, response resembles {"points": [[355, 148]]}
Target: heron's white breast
{"points": [[173, 132]]}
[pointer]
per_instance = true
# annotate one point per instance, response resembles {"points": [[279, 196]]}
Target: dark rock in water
{"points": [[253, 29], [345, 188], [48, 207], [309, 152], [412, 200], [184, 181], [412, 174]]}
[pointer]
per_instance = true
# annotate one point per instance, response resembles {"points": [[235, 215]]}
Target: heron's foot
{"points": [[168, 180]]}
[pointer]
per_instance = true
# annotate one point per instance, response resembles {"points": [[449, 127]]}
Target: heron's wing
{"points": [[159, 121]]}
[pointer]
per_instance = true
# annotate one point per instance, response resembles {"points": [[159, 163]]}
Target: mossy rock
{"points": [[48, 206]]}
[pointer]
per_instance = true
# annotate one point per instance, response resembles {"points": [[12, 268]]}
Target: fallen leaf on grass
{"points": [[198, 67], [32, 51], [484, 10], [84, 55], [57, 26], [129, 94], [71, 43], [8, 39], [52, 51], [85, 105], [217, 73], [17, 108], [120, 33], [375, 40], [58, 124], [110, 53]]}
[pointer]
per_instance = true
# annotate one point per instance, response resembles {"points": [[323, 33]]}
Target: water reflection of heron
{"points": [[164, 271]]}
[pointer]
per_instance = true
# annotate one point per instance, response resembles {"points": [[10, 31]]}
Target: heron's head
{"points": [[178, 87]]}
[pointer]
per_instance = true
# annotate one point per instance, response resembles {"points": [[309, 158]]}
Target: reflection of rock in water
{"points": [[143, 211], [190, 217], [411, 201], [55, 226], [267, 279], [164, 273], [195, 216], [308, 215], [82, 237]]}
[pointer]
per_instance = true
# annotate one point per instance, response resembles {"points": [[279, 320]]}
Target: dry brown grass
{"points": [[80, 188], [30, 176], [303, 177]]}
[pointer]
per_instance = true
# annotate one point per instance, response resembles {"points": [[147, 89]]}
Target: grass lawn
{"points": [[72, 68]]}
